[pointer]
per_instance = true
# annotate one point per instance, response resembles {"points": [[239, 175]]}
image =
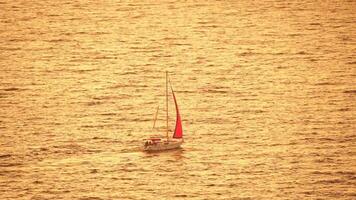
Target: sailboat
{"points": [[174, 142]]}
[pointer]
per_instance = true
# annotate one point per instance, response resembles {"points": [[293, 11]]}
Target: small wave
{"points": [[10, 48], [94, 151], [330, 181], [321, 173]]}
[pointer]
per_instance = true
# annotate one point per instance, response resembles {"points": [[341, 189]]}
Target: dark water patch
{"points": [[349, 175], [161, 56], [185, 91], [181, 44], [5, 156], [250, 53], [100, 138], [295, 34], [10, 164], [90, 198], [301, 53], [43, 149], [37, 182], [207, 26], [174, 38], [3, 94], [82, 70], [306, 192], [104, 57], [74, 19], [99, 98], [53, 15], [343, 109], [214, 91], [94, 103], [315, 24], [251, 111], [92, 126], [57, 40], [276, 54], [11, 89], [144, 48], [181, 195], [351, 62], [18, 40], [327, 83], [139, 120], [126, 178], [350, 91], [248, 99], [313, 59], [205, 22], [128, 73]]}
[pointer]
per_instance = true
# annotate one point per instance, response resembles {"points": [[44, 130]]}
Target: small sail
{"points": [[155, 119], [178, 132]]}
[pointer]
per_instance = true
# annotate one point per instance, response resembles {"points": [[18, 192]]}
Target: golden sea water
{"points": [[266, 91]]}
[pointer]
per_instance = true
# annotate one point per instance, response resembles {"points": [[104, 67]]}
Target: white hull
{"points": [[163, 145]]}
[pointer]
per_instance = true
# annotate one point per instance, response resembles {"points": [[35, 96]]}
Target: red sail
{"points": [[178, 132]]}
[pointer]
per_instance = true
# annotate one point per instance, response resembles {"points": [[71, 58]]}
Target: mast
{"points": [[167, 104]]}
